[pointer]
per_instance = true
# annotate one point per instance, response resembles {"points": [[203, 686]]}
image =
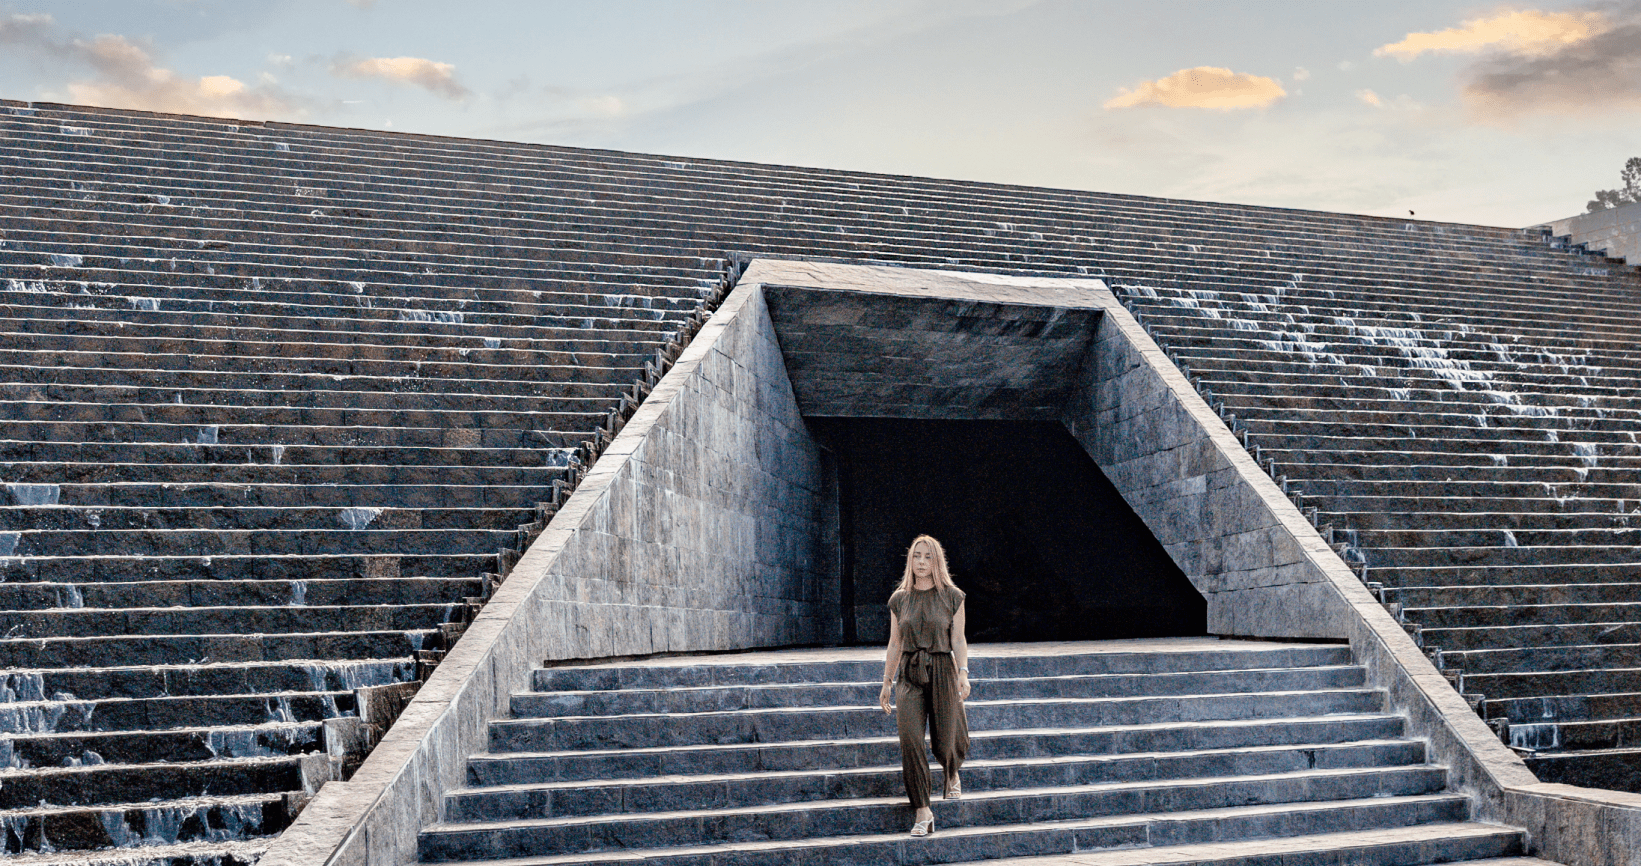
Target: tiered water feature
{"points": [[281, 403]]}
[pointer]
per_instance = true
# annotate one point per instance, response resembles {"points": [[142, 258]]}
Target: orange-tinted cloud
{"points": [[122, 74], [1525, 32], [438, 78], [1203, 87]]}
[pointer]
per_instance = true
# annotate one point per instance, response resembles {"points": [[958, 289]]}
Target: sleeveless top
{"points": [[924, 617]]}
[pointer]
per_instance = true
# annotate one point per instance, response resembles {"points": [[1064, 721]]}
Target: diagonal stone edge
{"points": [[1571, 825], [373, 819]]}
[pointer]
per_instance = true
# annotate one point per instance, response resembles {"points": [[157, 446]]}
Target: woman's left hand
{"points": [[962, 687]]}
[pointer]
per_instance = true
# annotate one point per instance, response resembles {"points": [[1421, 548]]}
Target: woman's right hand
{"points": [[883, 698]]}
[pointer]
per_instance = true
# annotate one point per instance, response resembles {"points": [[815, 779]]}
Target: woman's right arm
{"points": [[890, 660]]}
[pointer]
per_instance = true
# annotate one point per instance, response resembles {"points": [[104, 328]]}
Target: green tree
{"points": [[1628, 192]]}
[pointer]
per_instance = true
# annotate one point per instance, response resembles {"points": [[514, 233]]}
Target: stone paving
{"points": [[1133, 751]]}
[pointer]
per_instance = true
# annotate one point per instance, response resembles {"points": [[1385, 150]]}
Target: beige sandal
{"points": [[954, 788], [923, 828]]}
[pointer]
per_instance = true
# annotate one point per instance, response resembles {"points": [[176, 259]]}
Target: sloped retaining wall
{"points": [[697, 529], [1266, 572]]}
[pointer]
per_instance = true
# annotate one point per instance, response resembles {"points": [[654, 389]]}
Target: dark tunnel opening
{"points": [[1038, 538]]}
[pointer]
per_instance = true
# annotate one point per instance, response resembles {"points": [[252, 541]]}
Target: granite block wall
{"points": [[1173, 461], [699, 528]]}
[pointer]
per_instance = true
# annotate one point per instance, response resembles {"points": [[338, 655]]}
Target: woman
{"points": [[930, 657]]}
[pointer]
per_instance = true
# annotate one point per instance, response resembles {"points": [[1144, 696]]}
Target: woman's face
{"points": [[922, 560]]}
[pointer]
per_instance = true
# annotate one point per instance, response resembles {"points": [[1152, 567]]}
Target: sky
{"points": [[1485, 113]]}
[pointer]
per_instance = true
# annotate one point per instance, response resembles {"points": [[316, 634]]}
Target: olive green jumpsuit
{"points": [[927, 689]]}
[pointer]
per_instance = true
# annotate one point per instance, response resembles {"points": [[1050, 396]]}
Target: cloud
{"points": [[1582, 60], [435, 77], [1370, 98], [1300, 73], [1524, 32], [1203, 87], [121, 74], [1598, 74]]}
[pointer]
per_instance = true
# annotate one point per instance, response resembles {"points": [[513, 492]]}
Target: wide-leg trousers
{"points": [[935, 706]]}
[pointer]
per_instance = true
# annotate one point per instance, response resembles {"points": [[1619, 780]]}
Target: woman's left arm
{"points": [[960, 650]]}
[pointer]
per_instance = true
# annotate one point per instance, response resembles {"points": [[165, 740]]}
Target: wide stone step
{"points": [[1528, 595], [730, 698], [1530, 634], [679, 289], [301, 341], [1536, 574], [234, 308], [216, 359], [1554, 384], [61, 517], [278, 472], [1549, 501], [107, 783], [181, 649], [1163, 659], [177, 746], [1299, 430], [288, 619], [216, 452], [308, 397], [389, 497], [132, 569], [374, 329], [238, 853], [1324, 477], [1614, 538], [1583, 721], [197, 415], [1463, 453], [872, 831], [1564, 554], [258, 381], [1617, 767], [802, 723], [563, 297], [1473, 843], [584, 765], [153, 681], [1549, 658], [236, 593], [138, 714], [738, 790], [1518, 523], [272, 542], [289, 435], [170, 348], [180, 830], [1531, 684]]}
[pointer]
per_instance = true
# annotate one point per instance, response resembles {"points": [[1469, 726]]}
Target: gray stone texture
{"points": [[697, 529], [1615, 230]]}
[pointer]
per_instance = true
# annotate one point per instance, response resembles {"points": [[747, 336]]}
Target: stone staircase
{"points": [[254, 479], [276, 401], [1166, 745], [1475, 456]]}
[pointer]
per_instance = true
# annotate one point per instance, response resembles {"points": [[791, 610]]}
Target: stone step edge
{"points": [[1351, 847], [997, 703], [994, 795], [973, 735], [199, 852], [49, 809], [875, 682], [206, 666], [679, 778], [1201, 815]]}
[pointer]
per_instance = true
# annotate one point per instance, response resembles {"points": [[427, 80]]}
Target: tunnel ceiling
{"points": [[864, 354]]}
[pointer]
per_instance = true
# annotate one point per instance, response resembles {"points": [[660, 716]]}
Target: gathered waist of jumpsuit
{"points": [[917, 665]]}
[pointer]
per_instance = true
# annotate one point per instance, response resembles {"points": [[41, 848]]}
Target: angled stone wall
{"points": [[697, 529], [1615, 230]]}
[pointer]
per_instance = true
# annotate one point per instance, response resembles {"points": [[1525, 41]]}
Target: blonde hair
{"points": [[942, 577]]}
